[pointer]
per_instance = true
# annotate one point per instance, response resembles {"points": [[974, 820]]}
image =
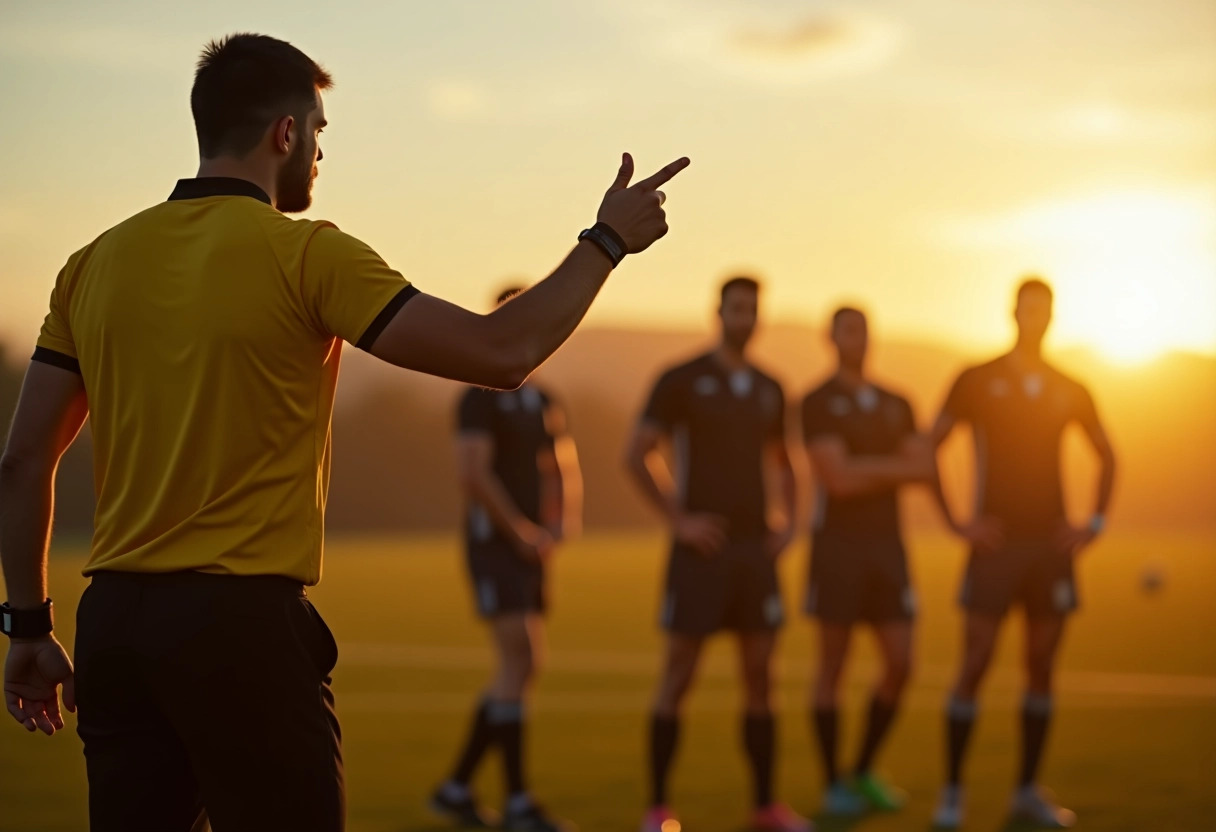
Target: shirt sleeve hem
{"points": [[55, 358], [381, 321]]}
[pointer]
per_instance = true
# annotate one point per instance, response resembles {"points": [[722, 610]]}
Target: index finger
{"points": [[664, 174]]}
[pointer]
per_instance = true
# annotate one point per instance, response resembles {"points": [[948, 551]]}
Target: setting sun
{"points": [[1138, 276], [1134, 270]]}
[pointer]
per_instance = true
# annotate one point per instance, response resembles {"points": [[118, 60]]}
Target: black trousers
{"points": [[205, 698]]}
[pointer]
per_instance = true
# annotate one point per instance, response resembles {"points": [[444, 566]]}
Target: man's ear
{"points": [[284, 134]]}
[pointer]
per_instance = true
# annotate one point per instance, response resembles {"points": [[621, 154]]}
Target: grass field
{"points": [[1133, 748]]}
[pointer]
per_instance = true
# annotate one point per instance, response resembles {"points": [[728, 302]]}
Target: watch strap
{"points": [[16, 623], [605, 237]]}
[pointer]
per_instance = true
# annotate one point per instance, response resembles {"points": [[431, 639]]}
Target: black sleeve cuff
{"points": [[386, 315], [56, 359]]}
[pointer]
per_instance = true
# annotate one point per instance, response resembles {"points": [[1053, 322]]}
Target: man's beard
{"points": [[736, 339], [294, 185], [852, 361]]}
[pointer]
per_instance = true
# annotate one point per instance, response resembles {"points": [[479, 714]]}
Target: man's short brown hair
{"points": [[243, 84]]}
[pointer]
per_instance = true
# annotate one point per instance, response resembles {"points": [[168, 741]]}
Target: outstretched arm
{"points": [[502, 348]]}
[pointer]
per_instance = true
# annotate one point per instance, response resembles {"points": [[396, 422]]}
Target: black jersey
{"points": [[719, 422], [1018, 420], [522, 423], [871, 422]]}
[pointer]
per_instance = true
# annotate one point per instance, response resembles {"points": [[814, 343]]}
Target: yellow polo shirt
{"points": [[208, 330]]}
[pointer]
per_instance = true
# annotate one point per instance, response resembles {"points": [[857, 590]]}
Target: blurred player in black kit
{"points": [[1022, 544], [725, 421], [863, 446], [520, 473]]}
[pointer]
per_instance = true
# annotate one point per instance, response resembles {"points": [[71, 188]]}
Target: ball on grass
{"points": [[1152, 579]]}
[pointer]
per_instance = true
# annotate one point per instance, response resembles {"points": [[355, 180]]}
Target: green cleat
{"points": [[842, 800], [880, 794]]}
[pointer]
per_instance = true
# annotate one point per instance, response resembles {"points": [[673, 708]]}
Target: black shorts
{"points": [[853, 578], [206, 694], [1036, 575], [503, 582], [736, 589]]}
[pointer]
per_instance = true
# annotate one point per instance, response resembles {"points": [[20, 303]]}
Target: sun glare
{"points": [[1134, 271]]}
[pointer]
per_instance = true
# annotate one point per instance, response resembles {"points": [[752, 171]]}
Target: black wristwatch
{"points": [[609, 242], [27, 623]]}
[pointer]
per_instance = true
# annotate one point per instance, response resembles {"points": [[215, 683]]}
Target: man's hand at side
{"points": [[703, 531], [33, 672], [533, 543]]}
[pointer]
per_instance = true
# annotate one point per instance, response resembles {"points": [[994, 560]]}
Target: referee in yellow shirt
{"points": [[203, 337]]}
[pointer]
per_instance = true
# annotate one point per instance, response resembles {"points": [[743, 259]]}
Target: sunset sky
{"points": [[913, 156]]}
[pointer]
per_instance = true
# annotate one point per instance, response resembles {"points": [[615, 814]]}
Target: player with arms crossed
{"points": [[863, 445], [202, 336], [519, 470], [725, 420], [1022, 545]]}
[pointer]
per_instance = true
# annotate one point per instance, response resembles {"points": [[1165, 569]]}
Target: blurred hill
{"points": [[392, 429]]}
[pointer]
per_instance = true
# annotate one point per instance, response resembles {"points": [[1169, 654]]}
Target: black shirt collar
{"points": [[217, 186]]}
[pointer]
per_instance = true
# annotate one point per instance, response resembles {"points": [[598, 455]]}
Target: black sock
{"points": [[877, 725], [960, 718], [1036, 718], [758, 739], [507, 723], [475, 747], [664, 734], [825, 721]]}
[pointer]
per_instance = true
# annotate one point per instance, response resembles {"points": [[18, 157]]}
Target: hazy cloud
{"points": [[826, 42], [771, 43]]}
